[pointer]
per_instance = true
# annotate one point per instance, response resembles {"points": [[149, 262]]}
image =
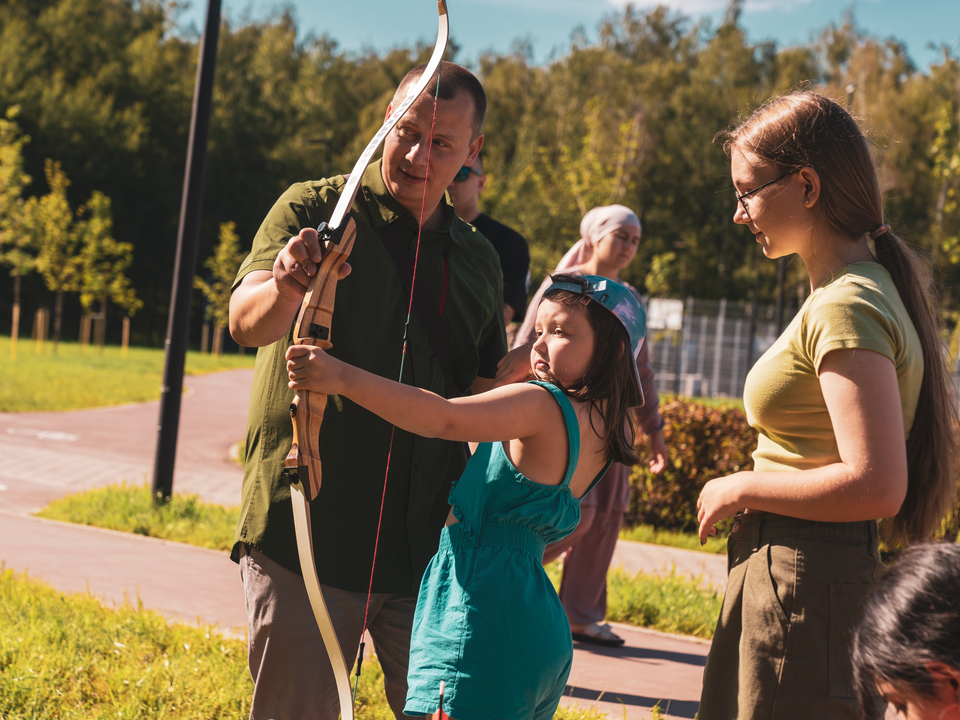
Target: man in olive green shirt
{"points": [[459, 270]]}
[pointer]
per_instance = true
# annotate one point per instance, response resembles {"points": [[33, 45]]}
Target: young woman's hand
{"points": [[310, 368], [720, 499]]}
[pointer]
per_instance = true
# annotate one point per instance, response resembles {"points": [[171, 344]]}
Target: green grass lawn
{"points": [[674, 538], [130, 508], [712, 401], [70, 657], [673, 603], [72, 380]]}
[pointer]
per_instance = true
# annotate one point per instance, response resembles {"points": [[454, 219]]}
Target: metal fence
{"points": [[705, 347]]}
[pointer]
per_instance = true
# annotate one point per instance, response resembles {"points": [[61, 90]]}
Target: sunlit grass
{"points": [[708, 401], [670, 603], [130, 508], [69, 656], [673, 538], [78, 378]]}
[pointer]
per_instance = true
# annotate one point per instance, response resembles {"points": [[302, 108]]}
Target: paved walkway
{"points": [[48, 455]]}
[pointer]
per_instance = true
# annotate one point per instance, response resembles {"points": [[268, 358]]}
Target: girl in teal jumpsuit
{"points": [[488, 623]]}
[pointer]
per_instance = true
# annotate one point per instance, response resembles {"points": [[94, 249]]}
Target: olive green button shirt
{"points": [[367, 331]]}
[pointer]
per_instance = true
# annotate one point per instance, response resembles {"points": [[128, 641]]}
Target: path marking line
{"points": [[55, 435]]}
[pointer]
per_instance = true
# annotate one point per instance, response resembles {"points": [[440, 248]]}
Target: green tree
{"points": [[223, 266], [16, 249], [52, 223], [103, 263]]}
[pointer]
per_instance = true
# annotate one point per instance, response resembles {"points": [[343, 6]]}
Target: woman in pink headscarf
{"points": [[609, 237]]}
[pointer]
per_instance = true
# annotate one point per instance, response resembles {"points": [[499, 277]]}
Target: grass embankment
{"points": [[68, 656], [717, 402], [673, 603], [673, 538], [72, 380], [131, 508]]}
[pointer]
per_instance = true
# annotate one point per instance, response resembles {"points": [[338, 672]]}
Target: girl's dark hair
{"points": [[804, 129], [607, 382], [911, 618]]}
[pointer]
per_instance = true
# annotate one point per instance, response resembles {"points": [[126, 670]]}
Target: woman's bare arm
{"points": [[870, 481]]}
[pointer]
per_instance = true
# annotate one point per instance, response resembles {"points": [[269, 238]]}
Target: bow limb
{"points": [[302, 464]]}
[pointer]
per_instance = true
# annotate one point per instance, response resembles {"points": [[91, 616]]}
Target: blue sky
{"points": [[484, 25]]}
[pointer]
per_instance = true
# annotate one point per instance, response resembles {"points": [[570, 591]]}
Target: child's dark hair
{"points": [[607, 382], [911, 618]]}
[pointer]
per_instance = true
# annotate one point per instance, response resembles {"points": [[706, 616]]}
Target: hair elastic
{"points": [[880, 231]]}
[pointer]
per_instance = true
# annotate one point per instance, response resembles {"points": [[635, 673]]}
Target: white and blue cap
{"points": [[620, 301]]}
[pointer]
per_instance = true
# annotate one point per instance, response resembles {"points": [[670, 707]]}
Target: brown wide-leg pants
{"points": [[781, 648]]}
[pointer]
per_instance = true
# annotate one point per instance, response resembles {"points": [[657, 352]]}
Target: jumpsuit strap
{"points": [[598, 478], [573, 428]]}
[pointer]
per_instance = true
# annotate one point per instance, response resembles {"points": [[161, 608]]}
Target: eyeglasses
{"points": [[464, 172], [743, 198]]}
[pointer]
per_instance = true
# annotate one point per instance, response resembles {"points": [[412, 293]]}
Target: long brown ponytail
{"points": [[804, 129]]}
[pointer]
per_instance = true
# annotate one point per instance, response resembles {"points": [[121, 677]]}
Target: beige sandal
{"points": [[598, 635]]}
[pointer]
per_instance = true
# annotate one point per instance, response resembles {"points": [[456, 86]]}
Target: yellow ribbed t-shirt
{"points": [[857, 308]]}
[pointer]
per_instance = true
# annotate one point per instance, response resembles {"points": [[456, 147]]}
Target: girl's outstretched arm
{"points": [[506, 413]]}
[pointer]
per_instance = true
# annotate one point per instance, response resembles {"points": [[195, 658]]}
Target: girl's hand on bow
{"points": [[310, 368]]}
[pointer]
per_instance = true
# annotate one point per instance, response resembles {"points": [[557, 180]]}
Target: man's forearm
{"points": [[259, 314]]}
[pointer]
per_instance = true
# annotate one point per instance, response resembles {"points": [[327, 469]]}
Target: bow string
{"points": [[302, 465]]}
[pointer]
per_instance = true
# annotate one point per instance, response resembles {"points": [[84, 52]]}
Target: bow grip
{"points": [[316, 310], [302, 464]]}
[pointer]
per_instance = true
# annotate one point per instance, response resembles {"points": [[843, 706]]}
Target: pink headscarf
{"points": [[596, 225]]}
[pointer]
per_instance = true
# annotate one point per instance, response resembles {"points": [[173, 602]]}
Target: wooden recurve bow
{"points": [[302, 464]]}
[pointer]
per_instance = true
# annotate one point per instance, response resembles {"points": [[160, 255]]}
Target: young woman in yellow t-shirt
{"points": [[854, 412]]}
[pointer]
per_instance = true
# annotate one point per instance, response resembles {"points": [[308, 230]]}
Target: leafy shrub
{"points": [[703, 443]]}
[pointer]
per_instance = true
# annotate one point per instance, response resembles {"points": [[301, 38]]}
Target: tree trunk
{"points": [[217, 341], [15, 329], [125, 341], [57, 316], [85, 331], [102, 335]]}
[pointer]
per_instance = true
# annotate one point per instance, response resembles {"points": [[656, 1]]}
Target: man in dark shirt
{"points": [[510, 246], [457, 267]]}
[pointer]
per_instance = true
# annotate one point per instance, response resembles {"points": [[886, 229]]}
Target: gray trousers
{"points": [[583, 589], [288, 662]]}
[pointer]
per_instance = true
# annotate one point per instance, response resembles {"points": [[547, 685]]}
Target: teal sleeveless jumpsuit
{"points": [[488, 622]]}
